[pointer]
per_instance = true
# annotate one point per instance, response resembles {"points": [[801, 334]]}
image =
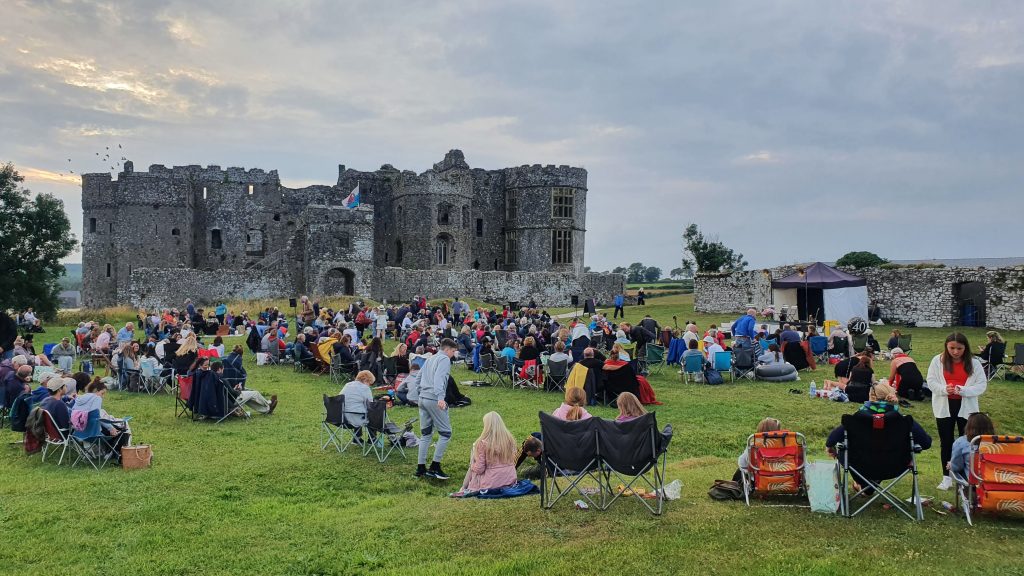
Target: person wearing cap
{"points": [[55, 388], [711, 346], [40, 393], [14, 384], [64, 354], [381, 323]]}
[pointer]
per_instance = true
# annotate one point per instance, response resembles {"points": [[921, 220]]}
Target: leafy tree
{"points": [[861, 260], [652, 273], [635, 272], [586, 268], [708, 254], [681, 273], [34, 235], [619, 270]]}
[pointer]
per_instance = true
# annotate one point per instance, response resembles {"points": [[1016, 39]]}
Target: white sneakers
{"points": [[946, 484]]}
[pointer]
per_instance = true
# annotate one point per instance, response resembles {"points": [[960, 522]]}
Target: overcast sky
{"points": [[794, 131]]}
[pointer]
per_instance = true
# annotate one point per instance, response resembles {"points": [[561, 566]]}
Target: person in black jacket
{"points": [[8, 332]]}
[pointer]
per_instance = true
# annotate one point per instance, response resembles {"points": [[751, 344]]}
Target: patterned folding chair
{"points": [[995, 481], [776, 464]]}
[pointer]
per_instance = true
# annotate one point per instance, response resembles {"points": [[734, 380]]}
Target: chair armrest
{"points": [[918, 449]]}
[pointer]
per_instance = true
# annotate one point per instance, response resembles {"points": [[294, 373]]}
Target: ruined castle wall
{"points": [[547, 288], [169, 287]]}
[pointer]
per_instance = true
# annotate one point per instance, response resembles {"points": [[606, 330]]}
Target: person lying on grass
{"points": [[492, 464]]}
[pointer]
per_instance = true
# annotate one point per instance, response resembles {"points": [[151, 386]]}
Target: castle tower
{"points": [[545, 216], [432, 216]]}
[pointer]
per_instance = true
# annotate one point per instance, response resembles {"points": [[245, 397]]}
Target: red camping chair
{"points": [[182, 396], [776, 464], [995, 473]]}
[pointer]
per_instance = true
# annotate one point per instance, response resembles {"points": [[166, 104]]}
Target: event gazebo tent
{"points": [[828, 293]]}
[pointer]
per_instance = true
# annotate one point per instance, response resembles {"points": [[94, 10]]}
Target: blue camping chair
{"points": [[91, 444], [819, 347], [765, 343], [692, 367], [723, 363], [48, 350]]}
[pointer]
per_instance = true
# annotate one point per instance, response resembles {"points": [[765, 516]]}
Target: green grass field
{"points": [[260, 497]]}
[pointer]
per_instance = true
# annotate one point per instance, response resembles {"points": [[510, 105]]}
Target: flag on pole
{"points": [[352, 200]]}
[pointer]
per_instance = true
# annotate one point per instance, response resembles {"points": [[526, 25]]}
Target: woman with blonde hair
{"points": [[629, 407], [493, 463], [572, 409], [743, 462], [186, 354]]}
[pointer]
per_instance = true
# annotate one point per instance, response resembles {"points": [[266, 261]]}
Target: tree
{"points": [[619, 270], [681, 273], [635, 272], [708, 254], [34, 235], [652, 273], [861, 260]]}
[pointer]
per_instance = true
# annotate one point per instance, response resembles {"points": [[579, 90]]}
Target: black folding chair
{"points": [[333, 423], [633, 453], [385, 435], [389, 370], [487, 368], [502, 370], [556, 375], [743, 363], [570, 456], [878, 450]]}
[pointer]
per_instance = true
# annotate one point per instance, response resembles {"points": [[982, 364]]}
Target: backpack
{"points": [[19, 411], [726, 490], [713, 377]]}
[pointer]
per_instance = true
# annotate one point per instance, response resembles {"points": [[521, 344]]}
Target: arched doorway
{"points": [[339, 281]]}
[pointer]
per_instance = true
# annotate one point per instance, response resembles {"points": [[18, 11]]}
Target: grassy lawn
{"points": [[260, 497]]}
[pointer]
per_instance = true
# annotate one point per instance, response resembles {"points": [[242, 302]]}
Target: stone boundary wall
{"points": [[547, 288], [160, 287], [925, 296], [169, 287]]}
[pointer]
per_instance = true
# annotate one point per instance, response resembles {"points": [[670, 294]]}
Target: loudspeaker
{"points": [[292, 302], [575, 300]]}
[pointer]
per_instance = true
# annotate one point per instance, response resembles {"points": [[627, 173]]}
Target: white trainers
{"points": [[946, 484]]}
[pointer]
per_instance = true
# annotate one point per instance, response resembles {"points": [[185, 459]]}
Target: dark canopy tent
{"points": [[822, 292]]}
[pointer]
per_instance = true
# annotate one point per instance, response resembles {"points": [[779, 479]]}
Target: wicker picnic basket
{"points": [[135, 457]]}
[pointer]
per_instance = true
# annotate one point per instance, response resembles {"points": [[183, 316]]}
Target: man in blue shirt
{"points": [[619, 301], [744, 329], [126, 334]]}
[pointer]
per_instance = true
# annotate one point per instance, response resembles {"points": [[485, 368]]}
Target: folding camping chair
{"points": [[385, 435], [633, 453], [182, 395], [819, 347], [503, 370], [743, 363], [997, 351], [841, 346], [297, 365], [654, 358], [333, 422], [995, 476], [722, 362], [150, 378], [765, 343], [877, 448], [487, 368], [56, 438], [524, 376], [556, 375], [693, 367], [860, 343], [903, 341], [389, 370], [340, 370], [570, 457], [776, 464], [233, 404], [91, 444]]}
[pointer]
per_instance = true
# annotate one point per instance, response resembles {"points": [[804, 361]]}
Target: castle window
{"points": [[250, 189], [441, 248], [92, 225], [110, 227], [561, 246], [479, 227], [216, 243], [386, 256], [175, 232], [444, 214], [401, 215], [156, 229], [277, 217], [465, 217], [562, 200], [398, 252], [204, 192], [108, 269], [511, 248], [476, 264], [511, 206], [344, 241], [254, 242]]}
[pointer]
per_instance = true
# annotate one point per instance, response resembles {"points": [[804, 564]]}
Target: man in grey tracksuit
{"points": [[434, 410]]}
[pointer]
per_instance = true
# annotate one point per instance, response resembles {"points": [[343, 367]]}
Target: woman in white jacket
{"points": [[956, 378]]}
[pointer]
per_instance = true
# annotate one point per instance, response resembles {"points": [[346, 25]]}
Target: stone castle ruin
{"points": [[155, 238]]}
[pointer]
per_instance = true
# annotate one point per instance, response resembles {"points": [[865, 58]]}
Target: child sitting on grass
{"points": [[493, 462]]}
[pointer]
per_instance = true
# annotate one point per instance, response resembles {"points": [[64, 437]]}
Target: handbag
{"points": [[136, 457]]}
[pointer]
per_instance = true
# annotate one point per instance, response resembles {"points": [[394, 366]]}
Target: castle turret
{"points": [[545, 215]]}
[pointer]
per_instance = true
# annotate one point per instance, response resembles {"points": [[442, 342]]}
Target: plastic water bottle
{"points": [[814, 389]]}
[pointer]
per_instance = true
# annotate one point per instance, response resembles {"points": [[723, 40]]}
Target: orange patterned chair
{"points": [[776, 464], [995, 480]]}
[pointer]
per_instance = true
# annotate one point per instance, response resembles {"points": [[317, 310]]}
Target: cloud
{"points": [[883, 114], [40, 176]]}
